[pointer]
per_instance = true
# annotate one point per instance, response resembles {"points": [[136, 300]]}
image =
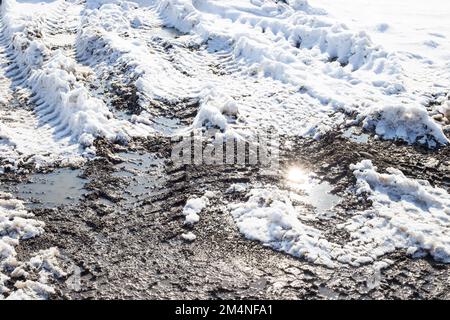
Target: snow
{"points": [[192, 209], [17, 225], [392, 23], [340, 67], [406, 214], [270, 217], [237, 188], [409, 213], [68, 114], [189, 236], [62, 100], [298, 66]]}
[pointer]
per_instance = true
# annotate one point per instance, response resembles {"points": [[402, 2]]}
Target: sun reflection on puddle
{"points": [[296, 176], [311, 190]]}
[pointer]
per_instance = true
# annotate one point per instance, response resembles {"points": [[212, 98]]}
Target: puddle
{"points": [[355, 135], [143, 171], [313, 191], [60, 187], [166, 126], [328, 293]]}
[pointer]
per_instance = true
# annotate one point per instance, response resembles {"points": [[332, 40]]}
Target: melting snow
{"points": [[16, 224], [297, 66], [406, 214], [278, 60]]}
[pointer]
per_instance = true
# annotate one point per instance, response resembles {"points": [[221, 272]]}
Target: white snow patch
{"points": [[339, 67], [192, 209], [189, 236], [270, 217], [406, 214], [17, 224], [237, 188], [408, 123]]}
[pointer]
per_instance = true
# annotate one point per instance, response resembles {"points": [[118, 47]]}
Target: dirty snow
{"points": [[17, 225], [300, 67], [270, 217]]}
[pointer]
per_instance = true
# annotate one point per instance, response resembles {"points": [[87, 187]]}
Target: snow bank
{"points": [[16, 224]]}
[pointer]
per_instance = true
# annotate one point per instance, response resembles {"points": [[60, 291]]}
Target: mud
{"points": [[123, 239]]}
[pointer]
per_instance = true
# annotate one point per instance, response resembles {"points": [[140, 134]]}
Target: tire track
{"points": [[24, 139], [173, 68], [41, 65]]}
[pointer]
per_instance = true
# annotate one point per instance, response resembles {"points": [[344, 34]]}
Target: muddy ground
{"points": [[118, 221], [120, 231]]}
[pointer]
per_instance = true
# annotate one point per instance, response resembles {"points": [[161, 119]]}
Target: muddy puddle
{"points": [[60, 187], [167, 126], [143, 173]]}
